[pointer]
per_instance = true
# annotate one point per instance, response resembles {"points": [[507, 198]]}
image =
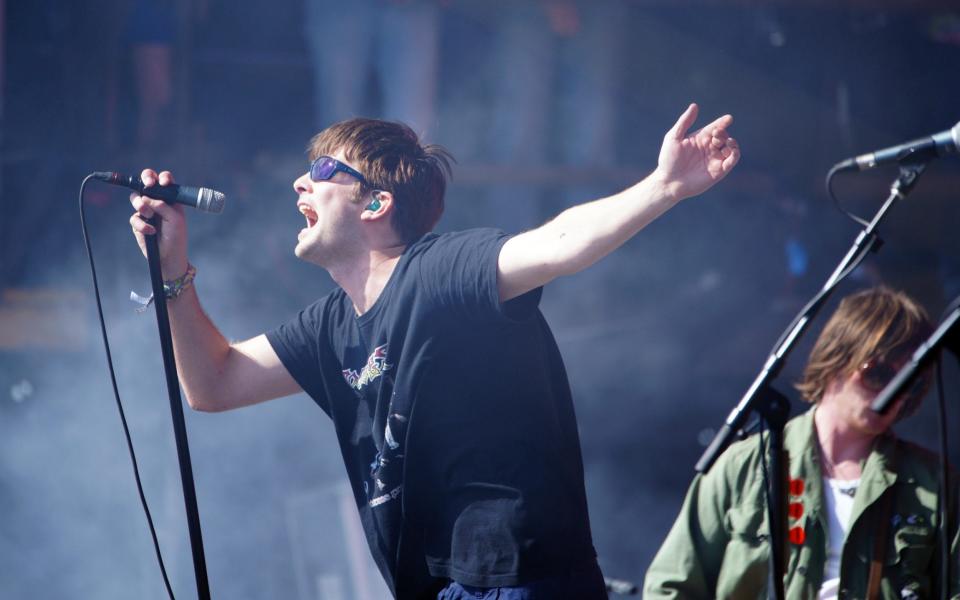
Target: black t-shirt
{"points": [[454, 417]]}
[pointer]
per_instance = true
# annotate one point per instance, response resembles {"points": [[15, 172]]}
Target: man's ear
{"points": [[381, 202]]}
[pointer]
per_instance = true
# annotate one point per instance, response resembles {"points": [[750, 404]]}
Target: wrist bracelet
{"points": [[172, 289]]}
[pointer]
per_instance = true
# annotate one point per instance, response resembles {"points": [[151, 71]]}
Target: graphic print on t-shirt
{"points": [[375, 367], [385, 470]]}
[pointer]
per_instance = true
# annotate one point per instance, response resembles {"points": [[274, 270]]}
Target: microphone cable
{"points": [[829, 183], [943, 498], [773, 587], [116, 392]]}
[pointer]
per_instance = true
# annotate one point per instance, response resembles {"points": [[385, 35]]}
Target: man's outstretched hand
{"points": [[691, 164]]}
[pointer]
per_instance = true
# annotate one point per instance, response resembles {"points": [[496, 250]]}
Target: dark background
{"points": [[660, 339]]}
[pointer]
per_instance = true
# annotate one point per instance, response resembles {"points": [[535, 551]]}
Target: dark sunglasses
{"points": [[325, 167], [875, 374]]}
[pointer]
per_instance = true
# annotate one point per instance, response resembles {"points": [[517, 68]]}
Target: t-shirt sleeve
{"points": [[460, 271], [300, 343]]}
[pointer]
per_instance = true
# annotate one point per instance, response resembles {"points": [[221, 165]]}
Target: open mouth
{"points": [[309, 214]]}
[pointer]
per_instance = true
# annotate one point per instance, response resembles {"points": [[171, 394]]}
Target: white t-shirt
{"points": [[839, 498]]}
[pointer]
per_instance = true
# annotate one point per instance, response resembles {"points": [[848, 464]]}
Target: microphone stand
{"points": [[770, 404], [176, 410]]}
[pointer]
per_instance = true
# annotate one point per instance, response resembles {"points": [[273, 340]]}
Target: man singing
{"points": [[447, 391]]}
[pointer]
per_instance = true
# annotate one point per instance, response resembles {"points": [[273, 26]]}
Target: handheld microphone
{"points": [[203, 199], [925, 148]]}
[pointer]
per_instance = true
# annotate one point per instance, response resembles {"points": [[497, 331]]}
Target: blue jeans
{"points": [[586, 584]]}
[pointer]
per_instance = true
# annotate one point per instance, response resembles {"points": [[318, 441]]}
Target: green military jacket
{"points": [[718, 546]]}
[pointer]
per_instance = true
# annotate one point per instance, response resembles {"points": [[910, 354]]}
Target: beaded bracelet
{"points": [[172, 289]]}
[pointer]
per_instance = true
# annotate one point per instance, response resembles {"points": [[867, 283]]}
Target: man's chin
{"points": [[874, 424], [302, 252], [308, 254]]}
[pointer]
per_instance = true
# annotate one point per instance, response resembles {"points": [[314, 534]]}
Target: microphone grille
{"points": [[211, 200]]}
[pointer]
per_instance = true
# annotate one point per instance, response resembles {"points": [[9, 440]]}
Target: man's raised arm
{"points": [[216, 375], [583, 234]]}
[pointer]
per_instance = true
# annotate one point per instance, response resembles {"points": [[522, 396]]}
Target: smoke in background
{"points": [[660, 339]]}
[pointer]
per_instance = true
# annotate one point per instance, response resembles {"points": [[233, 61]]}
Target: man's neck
{"points": [[842, 447], [365, 278]]}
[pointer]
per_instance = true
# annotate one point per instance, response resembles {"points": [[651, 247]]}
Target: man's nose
{"points": [[303, 184]]}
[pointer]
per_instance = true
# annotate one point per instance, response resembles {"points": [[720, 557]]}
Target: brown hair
{"points": [[392, 158], [874, 323]]}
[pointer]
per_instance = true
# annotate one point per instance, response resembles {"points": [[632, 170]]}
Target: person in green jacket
{"points": [[863, 514]]}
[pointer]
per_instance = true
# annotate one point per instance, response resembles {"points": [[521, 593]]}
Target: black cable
{"points": [[944, 496], [763, 465], [830, 174], [116, 392], [767, 501]]}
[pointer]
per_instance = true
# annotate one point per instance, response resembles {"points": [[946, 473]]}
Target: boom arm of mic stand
{"points": [[176, 410], [947, 334]]}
